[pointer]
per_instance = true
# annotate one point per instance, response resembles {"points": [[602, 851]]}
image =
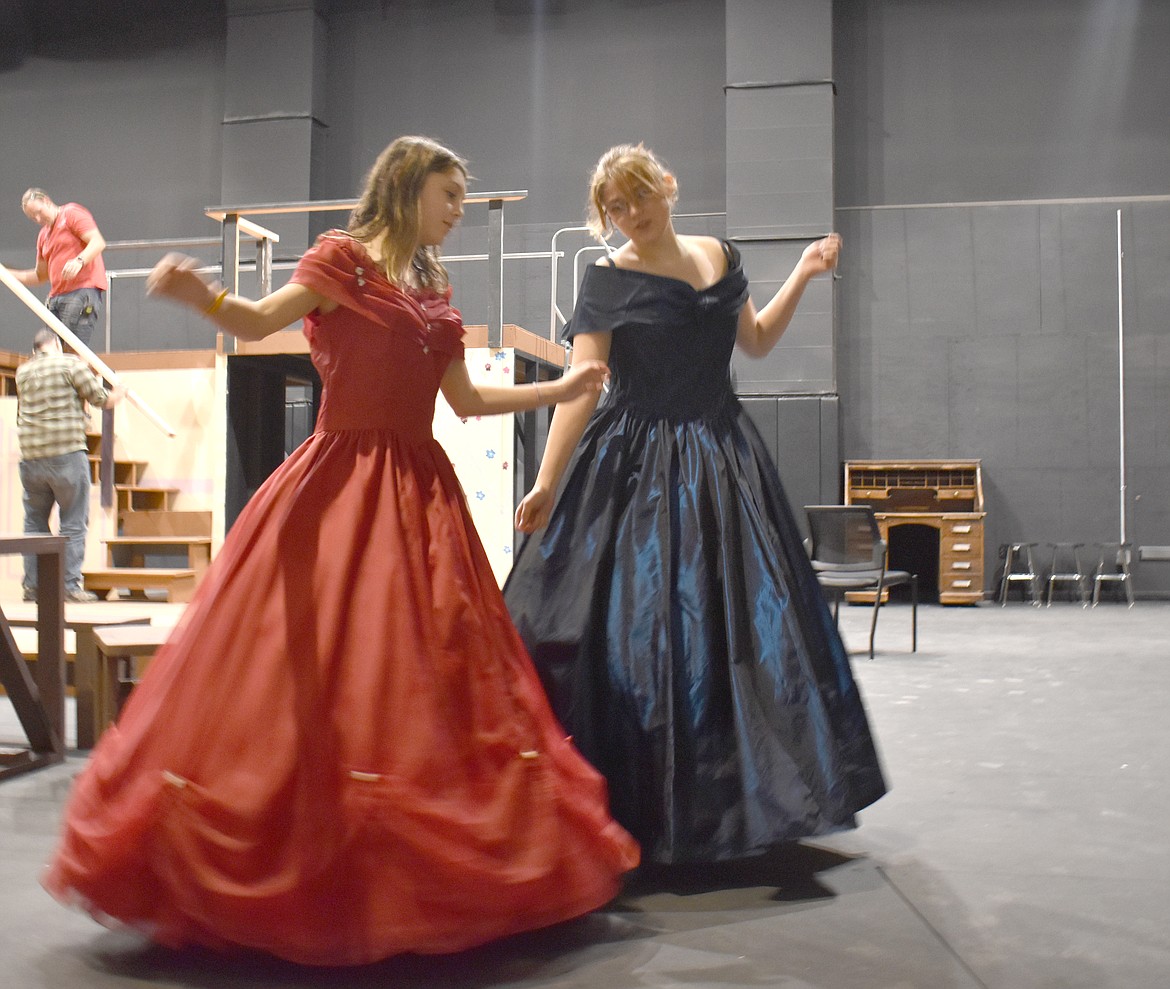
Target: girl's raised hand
{"points": [[821, 255], [177, 277]]}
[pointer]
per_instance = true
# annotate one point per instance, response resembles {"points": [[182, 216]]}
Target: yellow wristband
{"points": [[216, 302]]}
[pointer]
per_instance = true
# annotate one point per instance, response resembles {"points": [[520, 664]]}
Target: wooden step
{"points": [[137, 497], [132, 551], [148, 523], [126, 472], [178, 583]]}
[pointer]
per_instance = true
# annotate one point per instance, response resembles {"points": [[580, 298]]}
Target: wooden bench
{"points": [[178, 584], [28, 643], [123, 653], [80, 650]]}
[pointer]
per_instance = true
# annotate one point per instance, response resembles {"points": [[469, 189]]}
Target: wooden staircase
{"points": [[158, 550]]}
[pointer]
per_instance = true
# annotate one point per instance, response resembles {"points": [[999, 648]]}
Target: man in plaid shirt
{"points": [[51, 392]]}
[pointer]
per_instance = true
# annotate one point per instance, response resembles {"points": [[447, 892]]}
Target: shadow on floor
{"points": [[786, 874]]}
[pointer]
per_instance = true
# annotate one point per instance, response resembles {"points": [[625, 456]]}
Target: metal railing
{"points": [[235, 220], [236, 223]]}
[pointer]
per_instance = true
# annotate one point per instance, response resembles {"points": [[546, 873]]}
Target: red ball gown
{"points": [[343, 751]]}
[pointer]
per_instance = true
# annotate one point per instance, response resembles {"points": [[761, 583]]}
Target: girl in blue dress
{"points": [[665, 595]]}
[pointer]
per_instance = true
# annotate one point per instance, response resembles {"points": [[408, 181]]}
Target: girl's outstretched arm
{"points": [[467, 398], [758, 333], [177, 278]]}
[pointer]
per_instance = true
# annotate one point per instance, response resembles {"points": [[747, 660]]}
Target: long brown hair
{"points": [[387, 216]]}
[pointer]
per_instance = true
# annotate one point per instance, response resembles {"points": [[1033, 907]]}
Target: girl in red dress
{"points": [[343, 752]]}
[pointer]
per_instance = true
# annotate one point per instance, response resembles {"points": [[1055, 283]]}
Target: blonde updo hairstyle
{"points": [[627, 169], [387, 215]]}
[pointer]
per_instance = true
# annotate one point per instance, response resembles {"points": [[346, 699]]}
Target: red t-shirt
{"points": [[60, 242]]}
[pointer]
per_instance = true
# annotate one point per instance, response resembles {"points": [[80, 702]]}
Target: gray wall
{"points": [[532, 99], [120, 112], [961, 330], [977, 318]]}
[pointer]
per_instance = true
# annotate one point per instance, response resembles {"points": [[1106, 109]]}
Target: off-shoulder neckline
{"points": [[733, 265]]}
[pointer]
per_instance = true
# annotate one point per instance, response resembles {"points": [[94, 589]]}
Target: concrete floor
{"points": [[1023, 845]]}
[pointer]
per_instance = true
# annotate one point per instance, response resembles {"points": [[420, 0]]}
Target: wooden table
{"points": [[83, 619], [38, 697]]}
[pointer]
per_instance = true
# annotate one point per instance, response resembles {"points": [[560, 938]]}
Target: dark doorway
{"points": [[272, 403], [914, 547]]}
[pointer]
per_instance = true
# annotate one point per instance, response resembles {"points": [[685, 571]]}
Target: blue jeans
{"points": [[80, 310], [64, 481]]}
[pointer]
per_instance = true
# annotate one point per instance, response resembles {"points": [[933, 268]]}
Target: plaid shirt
{"points": [[50, 415]]}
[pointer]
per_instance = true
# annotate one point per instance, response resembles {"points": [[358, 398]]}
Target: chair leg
{"points": [[877, 603], [1036, 583], [914, 612]]}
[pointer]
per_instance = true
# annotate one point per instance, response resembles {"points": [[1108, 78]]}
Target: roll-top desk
{"points": [[946, 495]]}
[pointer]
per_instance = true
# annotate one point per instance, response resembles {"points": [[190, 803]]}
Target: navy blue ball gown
{"points": [[670, 606]]}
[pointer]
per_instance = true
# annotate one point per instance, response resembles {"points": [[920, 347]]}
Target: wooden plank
{"points": [[166, 524], [161, 360], [280, 342], [178, 583], [135, 577], [523, 341]]}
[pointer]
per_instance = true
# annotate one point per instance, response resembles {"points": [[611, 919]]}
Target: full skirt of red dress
{"points": [[343, 751]]}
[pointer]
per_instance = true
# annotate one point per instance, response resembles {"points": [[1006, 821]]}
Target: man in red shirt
{"points": [[69, 258]]}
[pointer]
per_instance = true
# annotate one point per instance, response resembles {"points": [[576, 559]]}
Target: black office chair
{"points": [[849, 554]]}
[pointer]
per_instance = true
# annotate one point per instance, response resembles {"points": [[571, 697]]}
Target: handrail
{"points": [[41, 311], [163, 243], [149, 245], [587, 249], [554, 309]]}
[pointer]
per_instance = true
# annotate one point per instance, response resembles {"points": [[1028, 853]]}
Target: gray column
{"points": [[780, 175], [274, 95], [779, 198]]}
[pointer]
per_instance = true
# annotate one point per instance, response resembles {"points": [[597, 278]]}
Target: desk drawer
{"points": [[961, 545]]}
